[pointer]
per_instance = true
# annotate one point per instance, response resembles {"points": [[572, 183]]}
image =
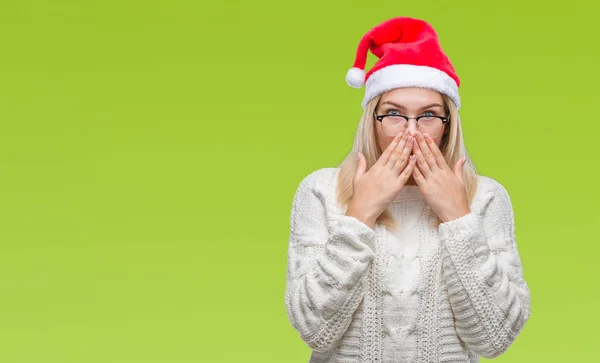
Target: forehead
{"points": [[412, 97]]}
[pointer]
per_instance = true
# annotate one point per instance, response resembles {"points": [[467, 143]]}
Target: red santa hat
{"points": [[409, 55]]}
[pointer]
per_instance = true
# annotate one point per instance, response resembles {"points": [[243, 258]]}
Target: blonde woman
{"points": [[404, 253]]}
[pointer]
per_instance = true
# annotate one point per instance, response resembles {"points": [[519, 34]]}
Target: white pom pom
{"points": [[355, 77]]}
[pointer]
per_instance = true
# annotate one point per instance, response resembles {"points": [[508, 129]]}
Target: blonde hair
{"points": [[452, 147]]}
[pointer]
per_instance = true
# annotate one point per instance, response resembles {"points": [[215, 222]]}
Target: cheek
{"points": [[383, 140], [383, 144]]}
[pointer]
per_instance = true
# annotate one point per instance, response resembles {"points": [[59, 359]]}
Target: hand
{"points": [[442, 188], [375, 189]]}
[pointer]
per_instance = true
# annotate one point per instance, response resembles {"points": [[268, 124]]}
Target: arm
{"points": [[484, 276], [329, 257]]}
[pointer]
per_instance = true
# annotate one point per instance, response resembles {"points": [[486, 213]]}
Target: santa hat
{"points": [[409, 55]]}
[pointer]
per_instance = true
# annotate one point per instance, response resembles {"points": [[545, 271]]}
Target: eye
{"points": [[429, 113], [393, 112]]}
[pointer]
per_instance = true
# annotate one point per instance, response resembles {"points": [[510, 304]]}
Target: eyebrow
{"points": [[422, 108]]}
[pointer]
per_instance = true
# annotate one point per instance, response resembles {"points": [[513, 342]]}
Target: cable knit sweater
{"points": [[426, 293]]}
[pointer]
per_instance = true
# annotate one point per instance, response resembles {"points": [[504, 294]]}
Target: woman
{"points": [[404, 253]]}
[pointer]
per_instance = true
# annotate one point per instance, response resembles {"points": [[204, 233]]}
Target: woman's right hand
{"points": [[376, 188]]}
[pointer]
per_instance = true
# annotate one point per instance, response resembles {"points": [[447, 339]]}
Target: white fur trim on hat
{"points": [[408, 75]]}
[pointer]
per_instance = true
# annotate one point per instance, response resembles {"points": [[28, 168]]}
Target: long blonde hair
{"points": [[452, 147]]}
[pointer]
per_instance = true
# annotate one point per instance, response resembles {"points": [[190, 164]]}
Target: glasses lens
{"points": [[393, 125], [431, 126]]}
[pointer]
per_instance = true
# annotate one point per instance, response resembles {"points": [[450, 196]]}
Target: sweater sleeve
{"points": [[329, 256], [484, 276]]}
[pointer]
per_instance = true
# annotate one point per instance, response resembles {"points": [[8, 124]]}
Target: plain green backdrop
{"points": [[150, 150]]}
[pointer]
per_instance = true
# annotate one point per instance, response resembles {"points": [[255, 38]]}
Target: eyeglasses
{"points": [[393, 124]]}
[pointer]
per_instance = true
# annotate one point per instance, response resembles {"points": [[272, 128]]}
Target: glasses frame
{"points": [[445, 119]]}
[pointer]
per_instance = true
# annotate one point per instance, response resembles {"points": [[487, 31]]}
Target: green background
{"points": [[150, 150]]}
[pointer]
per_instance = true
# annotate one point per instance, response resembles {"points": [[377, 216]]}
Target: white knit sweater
{"points": [[424, 294]]}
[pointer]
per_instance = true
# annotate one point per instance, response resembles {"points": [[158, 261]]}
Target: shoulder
{"points": [[319, 179], [488, 184], [314, 199], [317, 189], [489, 191]]}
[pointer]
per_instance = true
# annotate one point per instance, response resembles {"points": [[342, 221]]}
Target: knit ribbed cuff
{"points": [[348, 226], [463, 233]]}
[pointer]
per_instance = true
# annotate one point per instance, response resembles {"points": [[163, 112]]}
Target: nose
{"points": [[412, 127]]}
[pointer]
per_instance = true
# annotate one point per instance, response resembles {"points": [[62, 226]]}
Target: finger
{"points": [[425, 151], [421, 162], [418, 176], [435, 151], [404, 157], [398, 151], [408, 171], [383, 159], [458, 168], [362, 165]]}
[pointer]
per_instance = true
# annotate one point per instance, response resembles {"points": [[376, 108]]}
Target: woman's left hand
{"points": [[442, 188]]}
